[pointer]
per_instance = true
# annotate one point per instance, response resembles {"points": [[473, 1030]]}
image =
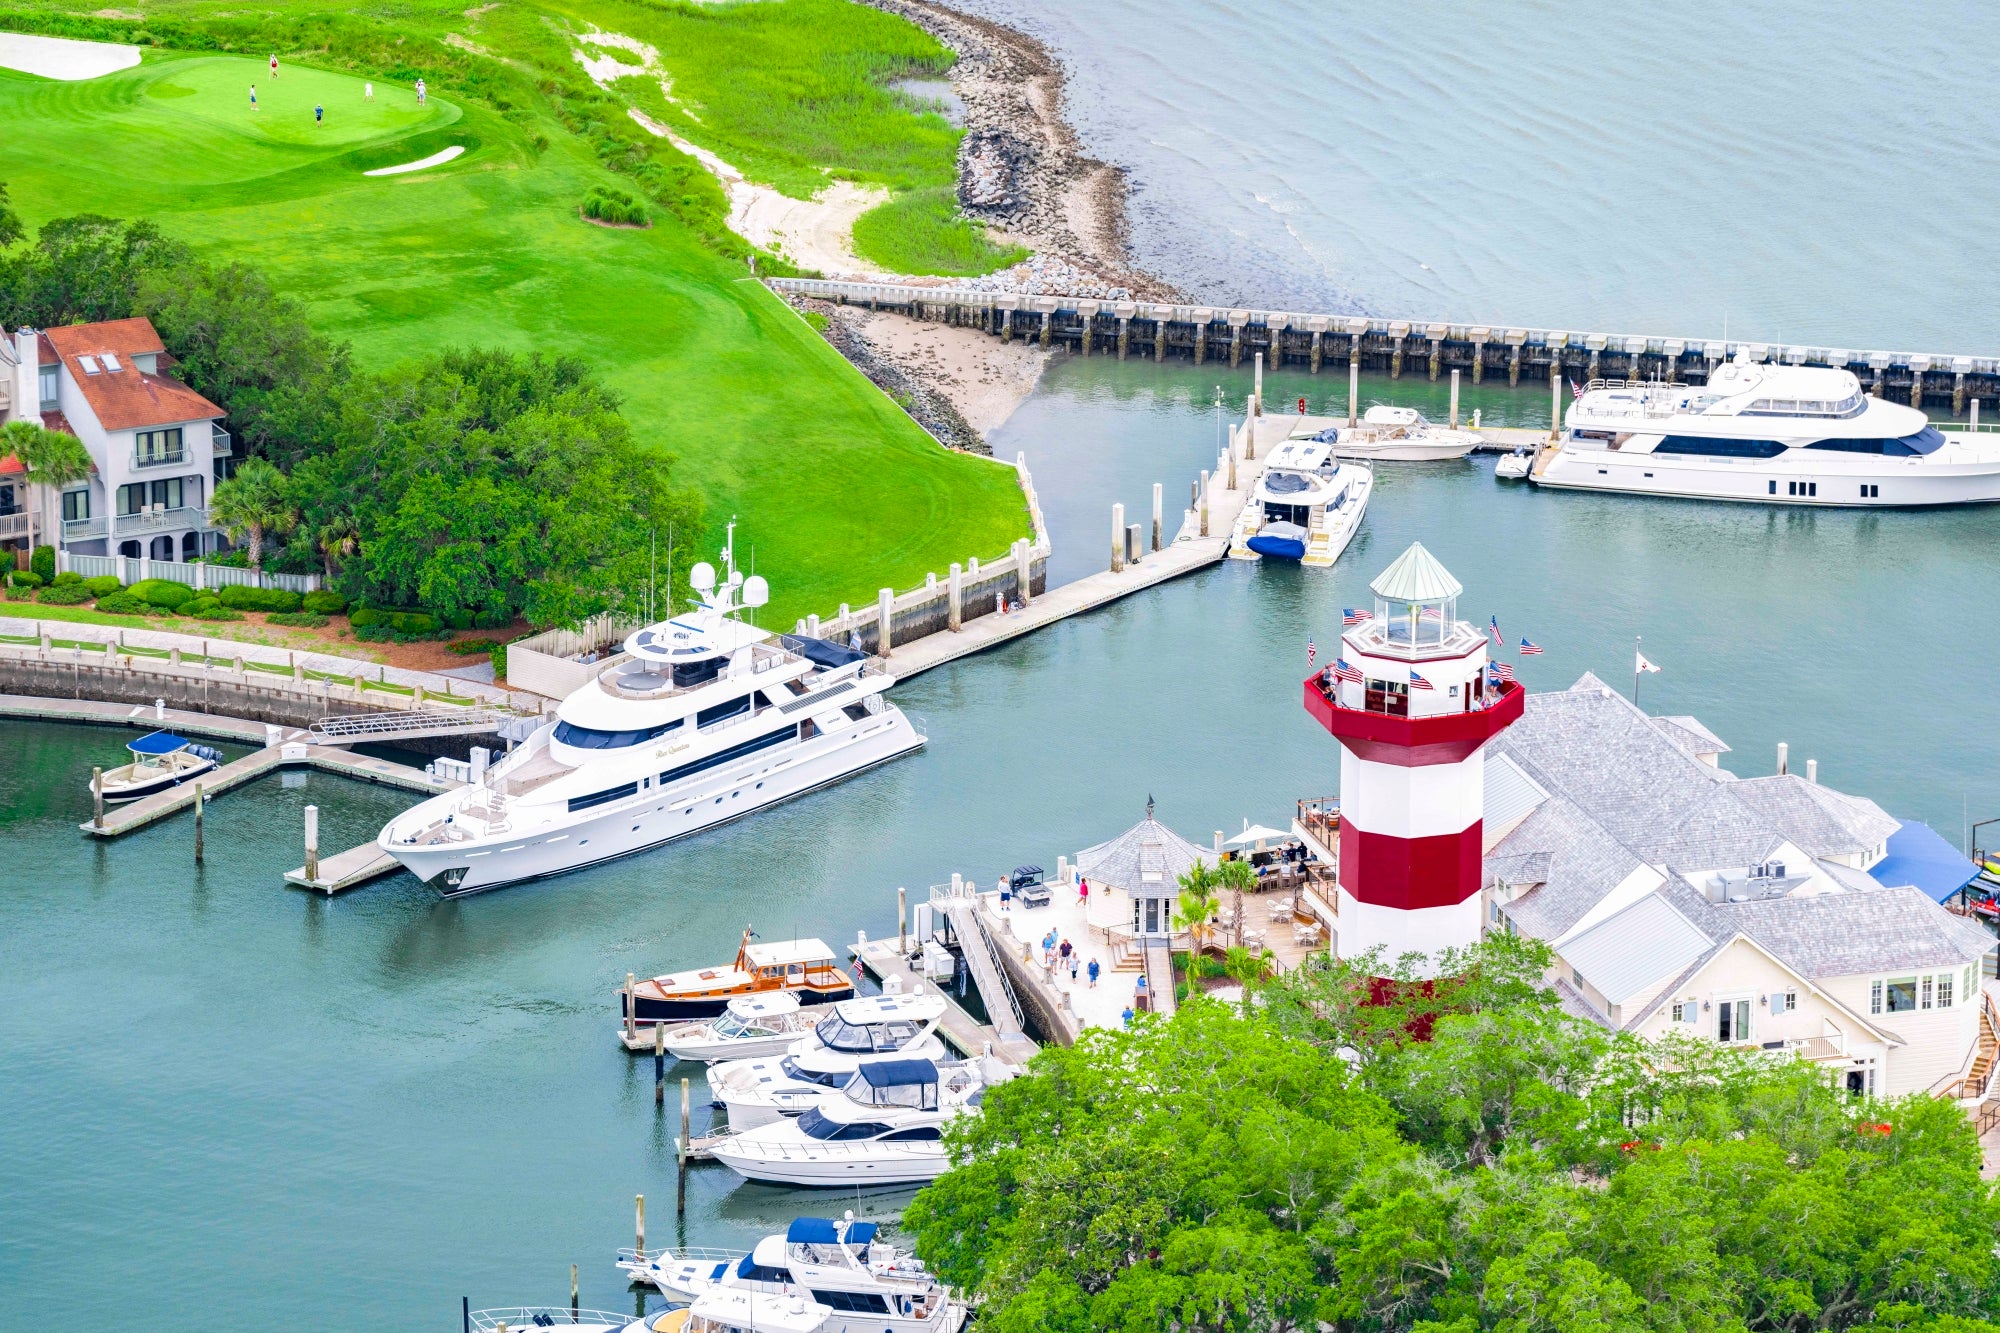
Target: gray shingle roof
{"points": [[1637, 948], [1849, 934], [1148, 858], [1584, 864], [1821, 821], [1688, 733]]}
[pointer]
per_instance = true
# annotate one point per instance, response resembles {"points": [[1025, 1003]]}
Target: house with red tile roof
{"points": [[158, 445]]}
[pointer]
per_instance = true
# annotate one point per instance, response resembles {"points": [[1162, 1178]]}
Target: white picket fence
{"points": [[130, 569]]}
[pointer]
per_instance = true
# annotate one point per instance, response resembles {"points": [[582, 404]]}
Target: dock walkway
{"points": [[959, 1028], [147, 810], [208, 726]]}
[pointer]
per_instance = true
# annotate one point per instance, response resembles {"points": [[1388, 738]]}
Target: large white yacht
{"points": [[1305, 507], [1771, 434], [701, 719], [870, 1286]]}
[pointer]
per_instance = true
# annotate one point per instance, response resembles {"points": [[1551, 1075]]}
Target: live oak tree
{"points": [[1453, 1156]]}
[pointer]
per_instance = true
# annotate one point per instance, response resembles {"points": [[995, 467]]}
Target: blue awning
{"points": [[160, 742], [826, 1231], [898, 1073], [1917, 855]]}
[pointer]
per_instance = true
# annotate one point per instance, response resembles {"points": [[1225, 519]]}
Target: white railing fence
{"points": [[130, 569]]}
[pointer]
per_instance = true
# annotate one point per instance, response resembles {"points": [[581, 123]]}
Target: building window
{"points": [[1925, 991], [1902, 995], [1944, 985], [76, 505], [50, 394], [157, 446], [1791, 1001], [138, 496], [1875, 998], [1680, 1011]]}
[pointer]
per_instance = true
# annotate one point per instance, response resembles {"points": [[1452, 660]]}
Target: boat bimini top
{"points": [[159, 744]]}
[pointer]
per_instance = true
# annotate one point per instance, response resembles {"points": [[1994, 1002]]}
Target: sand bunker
{"points": [[62, 57], [434, 160]]}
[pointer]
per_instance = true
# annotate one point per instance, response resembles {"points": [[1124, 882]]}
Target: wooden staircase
{"points": [[1319, 543], [1985, 1051]]}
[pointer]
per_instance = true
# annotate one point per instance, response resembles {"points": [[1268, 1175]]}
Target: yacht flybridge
{"points": [[1771, 434], [1305, 507], [701, 719]]}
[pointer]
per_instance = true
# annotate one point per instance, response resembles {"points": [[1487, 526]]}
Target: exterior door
{"points": [[1733, 1021]]}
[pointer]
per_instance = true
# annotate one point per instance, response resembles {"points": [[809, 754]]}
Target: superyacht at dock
{"points": [[701, 719], [1769, 434]]}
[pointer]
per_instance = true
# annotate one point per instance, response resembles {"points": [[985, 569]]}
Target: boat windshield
{"points": [[838, 1034], [819, 1126], [799, 1073], [590, 738]]}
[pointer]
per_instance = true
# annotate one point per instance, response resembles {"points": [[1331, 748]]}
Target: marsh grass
{"points": [[923, 232]]}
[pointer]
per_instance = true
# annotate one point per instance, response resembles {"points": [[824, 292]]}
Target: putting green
{"points": [[838, 491]]}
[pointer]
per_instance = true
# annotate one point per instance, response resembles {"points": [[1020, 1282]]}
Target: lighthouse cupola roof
{"points": [[1416, 576]]}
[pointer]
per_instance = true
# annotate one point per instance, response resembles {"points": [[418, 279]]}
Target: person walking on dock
{"points": [[1082, 891], [1093, 974], [1075, 959]]}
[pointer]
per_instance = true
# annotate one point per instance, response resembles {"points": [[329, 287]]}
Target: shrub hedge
{"points": [[103, 585], [325, 602], [163, 593], [24, 578], [122, 604], [66, 578], [240, 597], [63, 594], [43, 562], [608, 205]]}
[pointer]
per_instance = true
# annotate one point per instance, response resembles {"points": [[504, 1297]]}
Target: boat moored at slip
{"points": [[748, 1026], [757, 1092], [868, 1286], [884, 1127], [1767, 434], [159, 760], [1396, 435], [803, 969], [1305, 506], [701, 719]]}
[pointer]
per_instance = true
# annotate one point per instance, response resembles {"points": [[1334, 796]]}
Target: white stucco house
{"points": [[157, 445], [1770, 912]]}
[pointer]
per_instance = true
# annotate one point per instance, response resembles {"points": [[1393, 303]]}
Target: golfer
{"points": [[319, 114], [368, 92], [253, 97], [274, 64]]}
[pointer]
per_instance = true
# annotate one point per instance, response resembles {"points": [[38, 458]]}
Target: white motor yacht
{"points": [[159, 760], [749, 1026], [1767, 434], [756, 1092], [1305, 507], [700, 720], [1397, 435], [871, 1287], [885, 1127]]}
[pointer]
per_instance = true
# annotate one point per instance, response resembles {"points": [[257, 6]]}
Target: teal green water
{"points": [[222, 1094]]}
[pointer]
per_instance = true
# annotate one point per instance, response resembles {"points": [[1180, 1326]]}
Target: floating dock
{"points": [[965, 1033], [346, 870], [291, 754]]}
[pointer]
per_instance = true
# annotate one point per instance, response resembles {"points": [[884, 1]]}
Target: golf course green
{"points": [[837, 492]]}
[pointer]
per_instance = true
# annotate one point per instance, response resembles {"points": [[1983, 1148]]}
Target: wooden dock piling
{"points": [[97, 798], [681, 1185], [199, 804], [659, 1064], [312, 842], [639, 1208]]}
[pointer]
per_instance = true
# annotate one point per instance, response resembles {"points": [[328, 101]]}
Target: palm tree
{"points": [[1248, 968], [50, 458], [256, 501], [1236, 876], [1196, 903], [337, 539]]}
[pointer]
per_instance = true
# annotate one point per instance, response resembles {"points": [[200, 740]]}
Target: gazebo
{"points": [[1135, 877]]}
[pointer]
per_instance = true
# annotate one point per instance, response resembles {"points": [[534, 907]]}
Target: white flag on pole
{"points": [[1643, 664]]}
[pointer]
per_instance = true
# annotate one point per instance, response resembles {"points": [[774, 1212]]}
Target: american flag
{"points": [[1433, 613], [1342, 670], [1311, 650], [1494, 621], [1576, 388], [1530, 649], [1353, 615], [1500, 672], [1418, 682]]}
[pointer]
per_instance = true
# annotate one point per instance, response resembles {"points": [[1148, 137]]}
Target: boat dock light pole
{"points": [[312, 843], [659, 1064], [97, 798]]}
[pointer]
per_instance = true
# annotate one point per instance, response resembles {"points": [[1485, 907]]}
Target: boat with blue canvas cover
{"points": [[866, 1284], [159, 760], [1306, 506]]}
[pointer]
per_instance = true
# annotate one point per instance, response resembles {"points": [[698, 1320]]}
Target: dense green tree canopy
{"points": [[1452, 1157]]}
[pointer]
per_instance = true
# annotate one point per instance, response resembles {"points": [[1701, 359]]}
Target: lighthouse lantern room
{"points": [[1412, 704]]}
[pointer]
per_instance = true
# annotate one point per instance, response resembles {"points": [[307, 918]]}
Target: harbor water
{"points": [[332, 1113], [1753, 170]]}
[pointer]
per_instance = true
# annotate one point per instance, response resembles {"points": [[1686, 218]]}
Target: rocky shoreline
{"points": [[1022, 170]]}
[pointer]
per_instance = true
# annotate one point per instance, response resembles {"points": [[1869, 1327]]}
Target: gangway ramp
{"points": [[1002, 1005], [408, 724]]}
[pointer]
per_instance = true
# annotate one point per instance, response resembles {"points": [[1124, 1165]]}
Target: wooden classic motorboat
{"points": [[803, 968]]}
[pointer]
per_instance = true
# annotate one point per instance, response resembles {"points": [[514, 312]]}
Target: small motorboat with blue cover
{"points": [[159, 761]]}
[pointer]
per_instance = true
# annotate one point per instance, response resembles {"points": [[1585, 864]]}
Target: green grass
{"points": [[839, 493], [794, 93], [923, 232]]}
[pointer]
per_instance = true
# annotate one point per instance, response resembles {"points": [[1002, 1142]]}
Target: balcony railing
{"points": [[161, 520], [77, 529], [14, 525], [159, 457]]}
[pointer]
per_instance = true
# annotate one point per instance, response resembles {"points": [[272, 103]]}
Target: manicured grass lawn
{"points": [[839, 494]]}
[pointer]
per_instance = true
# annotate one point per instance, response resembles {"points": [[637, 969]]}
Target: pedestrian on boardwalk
{"points": [[1074, 959], [1127, 1015], [1093, 974], [1082, 891], [319, 114], [274, 64], [253, 97], [1064, 951], [1139, 991], [368, 91], [1006, 893]]}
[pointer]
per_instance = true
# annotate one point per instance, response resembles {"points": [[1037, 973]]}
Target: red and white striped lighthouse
{"points": [[1412, 733]]}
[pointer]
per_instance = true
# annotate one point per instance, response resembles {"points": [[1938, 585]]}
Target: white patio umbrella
{"points": [[1258, 834]]}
